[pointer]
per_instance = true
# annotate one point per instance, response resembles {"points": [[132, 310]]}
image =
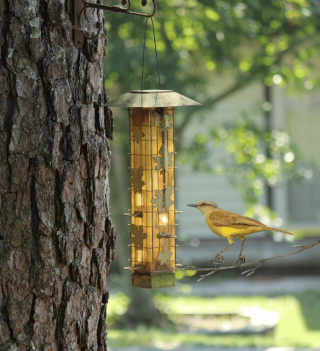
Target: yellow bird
{"points": [[230, 225]]}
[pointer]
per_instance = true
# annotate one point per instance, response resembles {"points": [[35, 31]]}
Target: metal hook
{"points": [[101, 7], [81, 6]]}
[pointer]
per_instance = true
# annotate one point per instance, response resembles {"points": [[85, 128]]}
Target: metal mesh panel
{"points": [[152, 178]]}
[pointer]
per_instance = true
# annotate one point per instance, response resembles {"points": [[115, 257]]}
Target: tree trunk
{"points": [[56, 235]]}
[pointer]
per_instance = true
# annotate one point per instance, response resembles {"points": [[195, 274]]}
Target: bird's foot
{"points": [[241, 260], [217, 260]]}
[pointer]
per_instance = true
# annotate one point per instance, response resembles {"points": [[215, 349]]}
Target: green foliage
{"points": [[247, 142], [275, 41], [151, 337], [248, 168], [270, 41], [183, 274], [299, 325], [117, 306]]}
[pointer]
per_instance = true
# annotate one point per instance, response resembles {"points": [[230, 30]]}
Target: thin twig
{"points": [[234, 265]]}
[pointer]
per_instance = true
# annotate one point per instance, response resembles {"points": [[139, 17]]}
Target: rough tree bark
{"points": [[56, 235]]}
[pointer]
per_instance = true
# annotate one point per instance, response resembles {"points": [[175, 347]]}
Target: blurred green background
{"points": [[252, 147], [298, 326]]}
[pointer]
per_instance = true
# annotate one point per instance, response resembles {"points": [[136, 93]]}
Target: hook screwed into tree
{"points": [[81, 5]]}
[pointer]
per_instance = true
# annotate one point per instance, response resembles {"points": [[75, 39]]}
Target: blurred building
{"points": [[297, 203]]}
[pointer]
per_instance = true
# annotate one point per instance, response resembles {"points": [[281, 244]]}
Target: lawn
{"points": [[298, 326]]}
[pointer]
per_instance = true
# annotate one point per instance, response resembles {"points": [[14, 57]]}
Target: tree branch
{"points": [[248, 271]]}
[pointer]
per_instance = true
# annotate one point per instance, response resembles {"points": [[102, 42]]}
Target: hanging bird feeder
{"points": [[152, 184]]}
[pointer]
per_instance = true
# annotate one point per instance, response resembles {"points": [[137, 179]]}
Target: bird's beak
{"points": [[193, 205]]}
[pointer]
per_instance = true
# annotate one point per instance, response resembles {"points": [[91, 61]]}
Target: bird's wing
{"points": [[224, 218]]}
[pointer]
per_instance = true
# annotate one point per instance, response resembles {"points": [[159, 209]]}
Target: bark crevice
{"points": [[6, 318], [31, 321]]}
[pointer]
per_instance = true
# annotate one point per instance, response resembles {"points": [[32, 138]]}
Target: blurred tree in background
{"points": [[249, 168], [269, 41]]}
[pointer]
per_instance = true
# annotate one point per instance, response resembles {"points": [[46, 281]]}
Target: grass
{"points": [[299, 324]]}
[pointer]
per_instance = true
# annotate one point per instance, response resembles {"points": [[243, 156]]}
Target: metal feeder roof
{"points": [[151, 98]]}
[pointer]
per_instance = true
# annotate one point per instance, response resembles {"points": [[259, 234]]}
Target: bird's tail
{"points": [[278, 230]]}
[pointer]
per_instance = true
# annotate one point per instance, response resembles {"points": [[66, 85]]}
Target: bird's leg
{"points": [[241, 259], [217, 258]]}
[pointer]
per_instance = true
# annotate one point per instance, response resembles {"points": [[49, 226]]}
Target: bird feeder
{"points": [[152, 184]]}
